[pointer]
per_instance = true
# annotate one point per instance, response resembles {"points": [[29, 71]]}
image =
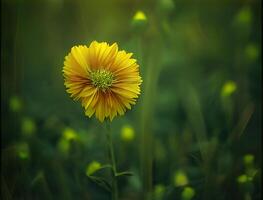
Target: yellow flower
{"points": [[104, 79]]}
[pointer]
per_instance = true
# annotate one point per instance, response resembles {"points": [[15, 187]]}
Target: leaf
{"points": [[125, 173], [101, 182], [95, 167], [105, 166], [242, 123]]}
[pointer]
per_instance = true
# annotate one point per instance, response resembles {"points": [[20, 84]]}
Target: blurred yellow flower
{"points": [[228, 88], [188, 193], [69, 134], [127, 133], [180, 178], [104, 79]]}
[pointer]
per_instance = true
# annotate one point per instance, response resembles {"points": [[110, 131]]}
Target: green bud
{"points": [[139, 21], [23, 151], [28, 126], [166, 5], [244, 16], [251, 52], [242, 178], [159, 191], [63, 145], [248, 159]]}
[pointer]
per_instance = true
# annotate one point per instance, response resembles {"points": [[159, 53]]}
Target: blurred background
{"points": [[195, 132]]}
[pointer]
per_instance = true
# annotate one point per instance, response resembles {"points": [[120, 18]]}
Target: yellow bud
{"points": [[69, 134], [180, 179], [188, 193], [127, 133], [139, 21], [92, 168], [228, 88], [140, 16]]}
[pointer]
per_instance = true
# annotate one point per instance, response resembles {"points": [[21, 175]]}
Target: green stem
{"points": [[113, 163]]}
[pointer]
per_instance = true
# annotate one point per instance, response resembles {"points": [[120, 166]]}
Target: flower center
{"points": [[101, 79]]}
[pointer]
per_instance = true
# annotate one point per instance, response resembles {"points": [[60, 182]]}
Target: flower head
{"points": [[104, 79]]}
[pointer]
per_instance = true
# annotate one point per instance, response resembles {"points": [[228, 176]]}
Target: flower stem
{"points": [[113, 163]]}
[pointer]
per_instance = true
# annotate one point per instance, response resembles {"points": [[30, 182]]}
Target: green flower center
{"points": [[101, 79]]}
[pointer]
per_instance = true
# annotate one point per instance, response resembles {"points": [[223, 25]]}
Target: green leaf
{"points": [[105, 166], [126, 173], [101, 182]]}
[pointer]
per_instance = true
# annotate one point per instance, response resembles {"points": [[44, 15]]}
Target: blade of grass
{"points": [[242, 123]]}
